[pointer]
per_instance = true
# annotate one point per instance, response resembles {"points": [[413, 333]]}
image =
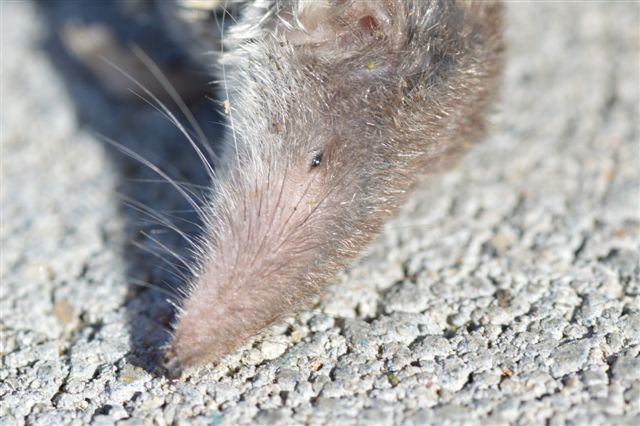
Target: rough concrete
{"points": [[507, 291]]}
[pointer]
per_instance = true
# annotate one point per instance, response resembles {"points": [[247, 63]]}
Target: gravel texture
{"points": [[506, 292]]}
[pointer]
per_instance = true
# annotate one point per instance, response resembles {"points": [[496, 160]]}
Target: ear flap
{"points": [[347, 25]]}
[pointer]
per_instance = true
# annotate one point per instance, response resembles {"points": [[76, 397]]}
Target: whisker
{"points": [[161, 109], [173, 253], [145, 284], [162, 219], [182, 183], [134, 155], [187, 187], [175, 271], [175, 96], [174, 120]]}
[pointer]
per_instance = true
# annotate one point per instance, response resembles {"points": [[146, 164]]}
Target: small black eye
{"points": [[316, 160]]}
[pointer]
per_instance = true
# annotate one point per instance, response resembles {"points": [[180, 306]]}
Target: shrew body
{"points": [[335, 109]]}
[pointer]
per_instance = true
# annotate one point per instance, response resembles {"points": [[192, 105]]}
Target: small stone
{"points": [[320, 322], [570, 357], [393, 379], [272, 349]]}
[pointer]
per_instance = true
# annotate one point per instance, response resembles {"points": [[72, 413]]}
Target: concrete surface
{"points": [[506, 292]]}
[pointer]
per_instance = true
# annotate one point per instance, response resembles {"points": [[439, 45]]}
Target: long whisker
{"points": [[199, 197], [134, 155], [174, 120], [175, 271], [175, 96], [173, 253], [204, 188], [162, 219], [151, 286]]}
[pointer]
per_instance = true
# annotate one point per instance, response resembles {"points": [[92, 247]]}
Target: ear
{"points": [[348, 25]]}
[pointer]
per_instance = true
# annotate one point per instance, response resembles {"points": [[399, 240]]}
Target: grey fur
{"points": [[335, 110]]}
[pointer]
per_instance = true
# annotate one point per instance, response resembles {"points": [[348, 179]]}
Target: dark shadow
{"points": [[139, 128]]}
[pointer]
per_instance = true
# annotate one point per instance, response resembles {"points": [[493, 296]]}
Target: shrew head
{"points": [[335, 111]]}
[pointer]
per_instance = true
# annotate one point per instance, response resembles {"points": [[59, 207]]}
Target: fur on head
{"points": [[336, 108]]}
